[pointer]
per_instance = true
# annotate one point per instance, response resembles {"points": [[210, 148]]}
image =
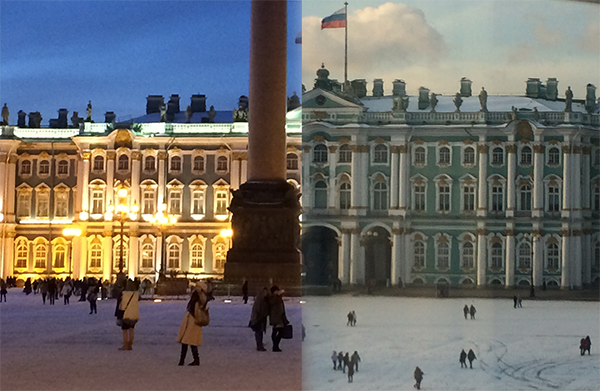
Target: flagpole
{"points": [[346, 45]]}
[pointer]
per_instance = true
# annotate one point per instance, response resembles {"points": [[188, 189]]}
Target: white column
{"points": [[358, 179], [333, 192], [357, 259], [306, 180], [397, 244], [245, 169], [394, 178], [577, 258], [482, 182], [83, 256], [236, 170], [76, 257], [5, 186], [585, 183], [365, 185], [85, 181], [538, 261], [567, 181], [407, 255], [566, 260], [135, 178], [510, 180], [586, 257], [110, 177], [344, 257], [209, 258], [576, 160], [7, 257], [134, 255], [404, 185], [510, 260], [158, 253], [107, 257], [538, 187], [481, 256]]}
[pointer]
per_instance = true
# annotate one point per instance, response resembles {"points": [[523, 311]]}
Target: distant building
{"points": [[402, 189], [53, 178]]}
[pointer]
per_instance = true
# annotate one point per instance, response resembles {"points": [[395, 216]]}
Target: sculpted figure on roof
{"points": [[5, 115], [483, 99], [163, 112], [568, 99], [211, 114], [88, 111], [433, 101], [457, 101]]}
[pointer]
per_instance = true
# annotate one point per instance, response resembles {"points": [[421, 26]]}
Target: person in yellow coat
{"points": [[130, 312], [189, 332]]}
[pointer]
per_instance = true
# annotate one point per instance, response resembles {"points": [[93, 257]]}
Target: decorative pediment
{"points": [[44, 155], [379, 140], [468, 141]]}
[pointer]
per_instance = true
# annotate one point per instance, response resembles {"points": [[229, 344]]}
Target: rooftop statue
{"points": [[188, 113], [163, 112], [400, 104], [483, 99], [5, 115], [568, 99], [211, 114], [457, 101], [88, 111], [433, 101]]}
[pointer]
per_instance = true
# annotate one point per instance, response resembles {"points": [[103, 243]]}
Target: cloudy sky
{"points": [[60, 54], [498, 44]]}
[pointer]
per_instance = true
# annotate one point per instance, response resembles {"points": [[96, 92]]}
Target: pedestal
{"points": [[266, 236]]}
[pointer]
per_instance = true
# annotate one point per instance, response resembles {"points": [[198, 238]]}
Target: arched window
{"points": [[222, 163], [496, 256], [497, 156], [380, 196], [444, 157], [553, 198], [148, 201], [345, 154], [526, 156], [175, 164], [63, 167], [552, 256], [123, 163], [320, 153], [524, 260], [44, 168], [60, 254], [174, 249], [321, 194], [96, 255], [199, 163], [380, 154], [147, 256], [525, 197], [468, 255], [497, 198], [22, 254], [221, 202], [26, 167], [292, 161], [345, 195], [419, 254], [419, 155], [150, 164], [98, 163], [469, 156], [196, 255], [443, 255], [553, 156], [220, 256], [40, 254]]}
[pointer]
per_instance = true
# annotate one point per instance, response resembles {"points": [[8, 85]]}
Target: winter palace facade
{"points": [[165, 183], [462, 189]]}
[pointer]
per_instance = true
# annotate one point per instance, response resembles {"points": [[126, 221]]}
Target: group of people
{"points": [[464, 356], [343, 361], [351, 318], [518, 301], [269, 304], [469, 310], [585, 344]]}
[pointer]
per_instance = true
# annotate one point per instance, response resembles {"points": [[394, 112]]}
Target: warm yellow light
{"points": [[135, 207], [173, 219], [162, 207], [71, 232], [110, 208], [84, 215], [133, 216], [122, 192], [1, 216], [108, 216], [226, 233]]}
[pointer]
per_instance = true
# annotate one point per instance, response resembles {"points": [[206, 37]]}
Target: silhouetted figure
{"points": [[463, 359], [472, 311], [471, 357], [245, 292], [466, 311], [418, 374]]}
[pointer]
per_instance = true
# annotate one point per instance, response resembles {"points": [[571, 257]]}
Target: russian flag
{"points": [[335, 20], [298, 39]]}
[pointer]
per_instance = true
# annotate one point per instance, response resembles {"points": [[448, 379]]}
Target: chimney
{"points": [[360, 87], [21, 120], [378, 87], [198, 103], [336, 86], [35, 119], [63, 122], [153, 103], [533, 87], [173, 105], [465, 87], [423, 98], [399, 88], [590, 98], [110, 117], [552, 88]]}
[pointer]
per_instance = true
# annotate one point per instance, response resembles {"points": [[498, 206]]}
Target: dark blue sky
{"points": [[60, 54]]}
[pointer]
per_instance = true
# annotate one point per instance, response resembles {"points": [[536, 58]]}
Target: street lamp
{"points": [[162, 221], [123, 213], [533, 237], [227, 233], [71, 233]]}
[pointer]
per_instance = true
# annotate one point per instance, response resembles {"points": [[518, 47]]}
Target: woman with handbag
{"points": [[128, 314], [277, 317], [196, 316]]}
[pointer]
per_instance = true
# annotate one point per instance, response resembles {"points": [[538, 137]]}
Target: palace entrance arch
{"points": [[319, 255], [378, 256]]}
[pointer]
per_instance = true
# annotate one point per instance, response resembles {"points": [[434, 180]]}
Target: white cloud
{"points": [[591, 37], [391, 36], [547, 36]]}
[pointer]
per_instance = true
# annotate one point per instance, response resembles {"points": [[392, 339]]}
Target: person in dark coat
{"points": [[83, 290], [340, 358], [466, 310], [350, 374], [277, 316], [303, 333], [519, 301], [44, 291], [346, 362], [334, 358], [27, 288], [353, 318], [245, 292], [471, 357], [349, 316], [515, 299], [472, 311], [587, 346], [463, 359], [258, 318], [582, 346], [92, 297], [3, 290], [418, 375], [52, 291], [354, 360]]}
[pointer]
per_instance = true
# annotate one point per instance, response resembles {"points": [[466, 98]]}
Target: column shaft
{"points": [[510, 180], [538, 187], [510, 261], [344, 258], [357, 260], [394, 179], [85, 181], [565, 280], [585, 176], [110, 178], [107, 259], [404, 172], [333, 192], [567, 180], [481, 258], [134, 257], [538, 262], [397, 247], [577, 259], [306, 180], [135, 179], [162, 168], [482, 181]]}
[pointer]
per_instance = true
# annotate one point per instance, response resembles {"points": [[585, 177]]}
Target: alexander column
{"points": [[266, 228]]}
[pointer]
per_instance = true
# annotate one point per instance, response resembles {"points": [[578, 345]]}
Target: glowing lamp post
{"points": [[227, 234], [162, 221], [71, 233], [122, 212]]}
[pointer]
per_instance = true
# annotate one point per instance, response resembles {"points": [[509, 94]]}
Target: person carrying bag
{"points": [[196, 316]]}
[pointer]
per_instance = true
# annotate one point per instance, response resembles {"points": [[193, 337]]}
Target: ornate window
{"points": [[320, 153], [420, 156], [468, 197], [222, 164], [419, 254], [24, 203], [220, 256], [380, 195], [40, 255], [98, 164], [419, 193], [553, 156], [497, 156], [96, 256], [117, 241], [524, 256], [63, 168], [444, 189], [525, 197], [552, 256], [175, 164], [443, 255], [468, 156], [380, 154], [221, 200], [526, 156], [150, 164], [196, 256], [148, 201], [123, 163], [61, 204], [468, 255], [42, 203], [147, 256], [345, 194], [25, 168], [444, 156], [60, 255], [97, 200], [345, 154], [44, 168], [321, 194], [175, 201], [496, 185], [198, 202], [292, 161], [173, 255], [496, 256], [553, 198], [198, 165], [21, 253]]}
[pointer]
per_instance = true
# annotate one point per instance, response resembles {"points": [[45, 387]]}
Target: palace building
{"points": [[151, 194], [466, 189]]}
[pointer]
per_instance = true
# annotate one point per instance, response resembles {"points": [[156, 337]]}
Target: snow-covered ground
{"points": [[531, 348], [62, 347]]}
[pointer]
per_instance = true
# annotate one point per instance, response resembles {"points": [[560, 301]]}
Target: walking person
{"points": [[340, 358], [129, 312], [471, 357], [472, 311], [466, 311], [346, 361], [92, 297], [418, 375], [463, 359], [349, 316], [44, 290], [190, 332], [3, 290], [245, 292], [258, 318], [350, 374], [52, 291], [354, 360], [277, 316], [519, 301], [587, 346], [515, 300], [334, 359], [353, 318], [67, 290]]}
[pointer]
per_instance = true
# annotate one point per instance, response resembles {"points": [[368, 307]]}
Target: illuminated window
{"points": [[197, 256], [221, 202], [173, 254], [61, 207], [96, 256], [147, 256], [97, 201], [60, 254], [148, 201], [175, 201], [198, 202], [24, 204], [117, 252], [40, 254], [42, 204], [220, 256], [22, 254]]}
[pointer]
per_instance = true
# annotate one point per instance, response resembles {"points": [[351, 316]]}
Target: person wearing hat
{"points": [[190, 333], [277, 317]]}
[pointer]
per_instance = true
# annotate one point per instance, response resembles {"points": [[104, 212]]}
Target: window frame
{"points": [[320, 153], [345, 154], [417, 153], [381, 154]]}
